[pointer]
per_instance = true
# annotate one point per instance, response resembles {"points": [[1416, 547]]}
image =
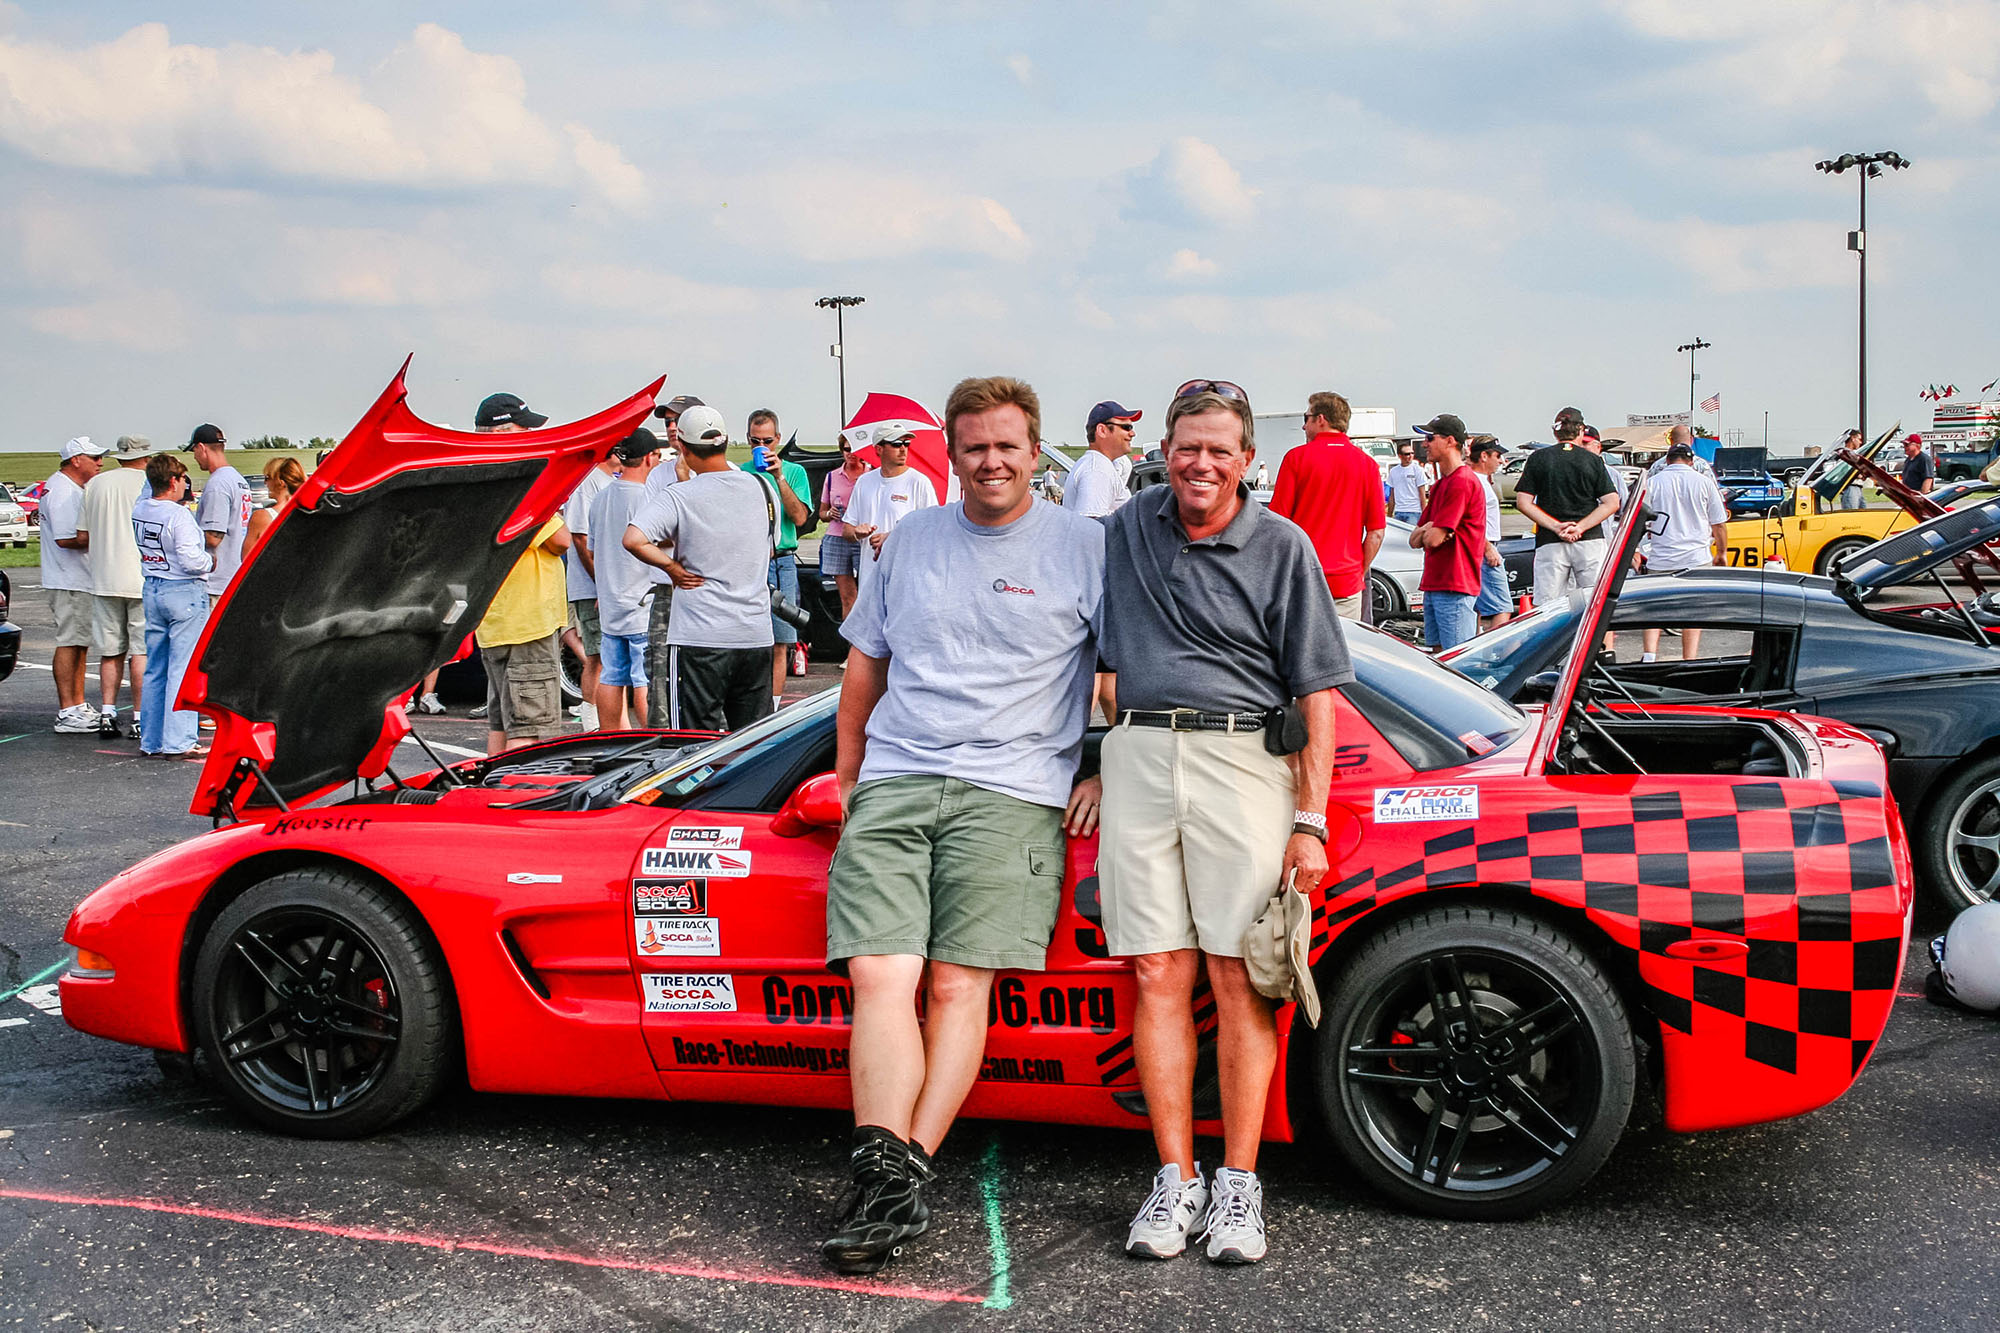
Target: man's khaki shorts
{"points": [[942, 869], [523, 689], [1349, 608], [1192, 837], [118, 626], [73, 612], [583, 615]]}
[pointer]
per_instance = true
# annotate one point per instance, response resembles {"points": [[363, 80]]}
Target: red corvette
{"points": [[1523, 905]]}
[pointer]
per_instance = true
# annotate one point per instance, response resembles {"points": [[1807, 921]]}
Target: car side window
{"points": [[1729, 661]]}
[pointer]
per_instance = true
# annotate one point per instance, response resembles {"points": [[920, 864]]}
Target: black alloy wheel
{"points": [[1835, 552], [323, 1005], [1387, 598], [1475, 1063], [1959, 852]]}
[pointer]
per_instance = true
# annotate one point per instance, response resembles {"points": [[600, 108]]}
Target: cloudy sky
{"points": [[248, 213]]}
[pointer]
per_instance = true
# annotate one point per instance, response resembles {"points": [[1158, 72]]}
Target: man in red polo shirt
{"points": [[1452, 533], [1333, 490]]}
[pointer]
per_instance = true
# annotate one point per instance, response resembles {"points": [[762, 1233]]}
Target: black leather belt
{"points": [[1186, 719]]}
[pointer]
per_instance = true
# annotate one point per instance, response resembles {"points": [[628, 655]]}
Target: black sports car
{"points": [[1923, 680], [10, 633]]}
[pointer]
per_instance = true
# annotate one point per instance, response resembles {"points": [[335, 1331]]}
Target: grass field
{"points": [[28, 468], [22, 557]]}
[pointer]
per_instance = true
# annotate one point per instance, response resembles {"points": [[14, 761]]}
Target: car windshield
{"points": [[694, 768], [1434, 716], [1487, 659]]}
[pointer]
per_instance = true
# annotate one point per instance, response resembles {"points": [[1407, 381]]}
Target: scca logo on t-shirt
{"points": [[1001, 585]]}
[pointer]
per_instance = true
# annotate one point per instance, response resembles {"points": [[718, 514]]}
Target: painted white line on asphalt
{"points": [[459, 750], [36, 665], [13, 1022]]}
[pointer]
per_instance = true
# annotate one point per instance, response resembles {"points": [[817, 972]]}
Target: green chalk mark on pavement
{"points": [[1002, 1295], [5, 739], [35, 980]]}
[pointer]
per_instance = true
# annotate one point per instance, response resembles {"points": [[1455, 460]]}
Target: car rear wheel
{"points": [[1960, 850], [1475, 1064], [323, 1006], [1387, 596], [570, 672], [1835, 552]]}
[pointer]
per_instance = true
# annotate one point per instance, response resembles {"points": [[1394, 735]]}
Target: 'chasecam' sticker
{"points": [[1417, 805], [689, 992], [676, 936], [694, 861], [722, 838]]}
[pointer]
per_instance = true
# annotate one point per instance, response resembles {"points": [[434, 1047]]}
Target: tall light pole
{"points": [[1871, 164], [839, 348], [1691, 348]]}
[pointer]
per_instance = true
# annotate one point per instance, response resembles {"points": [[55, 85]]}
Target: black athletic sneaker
{"points": [[884, 1206]]}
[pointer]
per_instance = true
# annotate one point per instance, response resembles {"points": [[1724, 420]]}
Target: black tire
{"points": [[323, 1006], [1488, 1122], [1959, 851], [1387, 596], [1838, 550]]}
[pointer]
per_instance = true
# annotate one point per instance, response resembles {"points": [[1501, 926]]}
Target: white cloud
{"points": [[433, 114], [1186, 264], [147, 320], [666, 295], [1190, 182], [1022, 68], [830, 213], [1746, 257]]}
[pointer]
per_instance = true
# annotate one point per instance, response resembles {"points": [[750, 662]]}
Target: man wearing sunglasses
{"points": [[1409, 485], [1217, 623], [792, 486], [1333, 490], [1093, 487]]}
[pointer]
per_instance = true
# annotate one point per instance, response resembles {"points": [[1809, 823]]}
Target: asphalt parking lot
{"points": [[132, 1199]]}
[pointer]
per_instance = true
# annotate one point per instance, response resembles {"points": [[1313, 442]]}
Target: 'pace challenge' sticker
{"points": [[694, 861], [1418, 805], [689, 992]]}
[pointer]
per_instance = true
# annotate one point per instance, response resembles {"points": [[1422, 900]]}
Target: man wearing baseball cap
{"points": [[1451, 532], [1919, 471], [506, 410], [672, 468], [1094, 486], [520, 640], [1689, 532], [223, 513], [885, 496], [66, 579]]}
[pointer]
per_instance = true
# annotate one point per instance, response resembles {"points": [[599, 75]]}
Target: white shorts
{"points": [[1563, 567], [1194, 827], [73, 611]]}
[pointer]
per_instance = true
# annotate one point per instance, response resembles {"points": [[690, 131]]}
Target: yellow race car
{"points": [[1810, 532]]}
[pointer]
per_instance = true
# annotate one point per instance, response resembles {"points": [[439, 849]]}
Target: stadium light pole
{"points": [[839, 306], [1691, 348], [1870, 164]]}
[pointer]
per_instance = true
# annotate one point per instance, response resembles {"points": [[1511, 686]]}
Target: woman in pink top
{"points": [[840, 554]]}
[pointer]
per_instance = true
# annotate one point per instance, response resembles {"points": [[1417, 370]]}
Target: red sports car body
{"points": [[1522, 905]]}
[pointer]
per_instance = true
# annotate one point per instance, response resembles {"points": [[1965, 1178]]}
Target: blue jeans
{"points": [[1409, 516], [784, 576], [1449, 619], [1493, 597], [176, 611]]}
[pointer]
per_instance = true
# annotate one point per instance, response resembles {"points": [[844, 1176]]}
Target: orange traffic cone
{"points": [[1524, 605]]}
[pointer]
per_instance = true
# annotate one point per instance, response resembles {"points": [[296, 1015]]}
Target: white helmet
{"points": [[1968, 957]]}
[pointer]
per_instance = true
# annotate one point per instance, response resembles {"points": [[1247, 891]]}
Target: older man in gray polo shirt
{"points": [[1216, 616]]}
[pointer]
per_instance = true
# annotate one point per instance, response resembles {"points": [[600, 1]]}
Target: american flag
{"points": [[1712, 404]]}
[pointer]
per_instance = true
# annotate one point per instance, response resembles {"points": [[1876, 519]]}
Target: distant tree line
{"points": [[282, 442]]}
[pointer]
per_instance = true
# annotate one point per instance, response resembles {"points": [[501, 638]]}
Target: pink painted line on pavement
{"points": [[506, 1249]]}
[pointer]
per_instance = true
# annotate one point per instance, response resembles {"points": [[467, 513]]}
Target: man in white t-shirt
{"points": [[624, 584], [671, 470], [1409, 485], [720, 524], [224, 509], [583, 633], [1094, 488], [118, 630], [66, 579], [1495, 607], [884, 496], [1692, 531]]}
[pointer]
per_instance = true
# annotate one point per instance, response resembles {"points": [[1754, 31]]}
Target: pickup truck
{"points": [[1965, 464]]}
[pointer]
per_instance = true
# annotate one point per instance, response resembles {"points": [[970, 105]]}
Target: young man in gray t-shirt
{"points": [[961, 718]]}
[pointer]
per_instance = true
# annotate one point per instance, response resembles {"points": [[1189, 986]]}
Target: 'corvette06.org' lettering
{"points": [[317, 824], [824, 1003]]}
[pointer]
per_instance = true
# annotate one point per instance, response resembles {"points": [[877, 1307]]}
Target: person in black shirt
{"points": [[1567, 492], [1919, 471]]}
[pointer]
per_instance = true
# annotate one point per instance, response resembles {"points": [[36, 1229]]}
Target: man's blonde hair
{"points": [[984, 393]]}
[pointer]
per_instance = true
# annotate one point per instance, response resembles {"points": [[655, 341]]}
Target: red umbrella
{"points": [[881, 411]]}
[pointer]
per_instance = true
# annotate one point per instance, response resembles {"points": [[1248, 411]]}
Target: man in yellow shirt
{"points": [[520, 641]]}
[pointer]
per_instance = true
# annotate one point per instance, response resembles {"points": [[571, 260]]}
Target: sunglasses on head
{"points": [[1222, 388]]}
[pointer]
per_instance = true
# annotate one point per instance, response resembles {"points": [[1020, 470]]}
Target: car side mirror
{"points": [[1539, 688], [815, 804]]}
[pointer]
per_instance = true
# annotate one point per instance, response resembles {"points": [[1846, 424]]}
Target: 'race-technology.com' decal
{"points": [[695, 861], [721, 838], [1416, 805], [689, 992]]}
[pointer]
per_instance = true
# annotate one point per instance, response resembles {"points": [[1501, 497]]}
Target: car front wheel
{"points": [[1387, 596], [1475, 1063], [322, 1003], [1960, 850], [1836, 552]]}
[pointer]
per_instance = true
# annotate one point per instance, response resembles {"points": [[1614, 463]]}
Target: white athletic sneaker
{"points": [[431, 704], [588, 717], [77, 720], [1235, 1222], [1170, 1212]]}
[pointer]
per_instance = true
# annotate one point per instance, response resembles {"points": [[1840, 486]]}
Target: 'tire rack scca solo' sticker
{"points": [[676, 936], [689, 992], [727, 839], [1418, 805], [695, 861]]}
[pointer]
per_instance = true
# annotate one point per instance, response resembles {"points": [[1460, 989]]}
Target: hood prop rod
{"points": [[444, 769]]}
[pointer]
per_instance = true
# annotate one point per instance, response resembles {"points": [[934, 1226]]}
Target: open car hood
{"points": [[1831, 474], [1573, 691], [373, 576], [1916, 552]]}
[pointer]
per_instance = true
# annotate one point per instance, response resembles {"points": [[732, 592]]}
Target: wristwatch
{"points": [[1310, 824]]}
